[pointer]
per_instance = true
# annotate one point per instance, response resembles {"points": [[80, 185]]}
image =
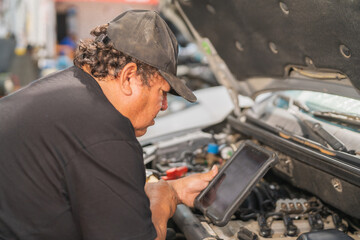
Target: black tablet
{"points": [[234, 182]]}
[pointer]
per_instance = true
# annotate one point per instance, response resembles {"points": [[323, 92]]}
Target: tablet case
{"points": [[224, 219]]}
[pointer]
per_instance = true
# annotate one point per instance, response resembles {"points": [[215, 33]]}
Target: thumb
{"points": [[210, 174]]}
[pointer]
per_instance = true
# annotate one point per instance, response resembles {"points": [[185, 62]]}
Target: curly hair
{"points": [[104, 60]]}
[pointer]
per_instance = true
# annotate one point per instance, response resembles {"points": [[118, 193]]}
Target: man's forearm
{"points": [[163, 201], [159, 218]]}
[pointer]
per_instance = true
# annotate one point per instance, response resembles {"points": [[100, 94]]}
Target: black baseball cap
{"points": [[144, 35]]}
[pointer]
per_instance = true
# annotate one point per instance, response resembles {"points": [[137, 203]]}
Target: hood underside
{"points": [[261, 38]]}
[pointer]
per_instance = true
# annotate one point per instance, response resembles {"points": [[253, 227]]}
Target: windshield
{"points": [[324, 102]]}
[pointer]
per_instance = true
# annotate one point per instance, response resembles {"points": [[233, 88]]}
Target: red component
{"points": [[174, 173]]}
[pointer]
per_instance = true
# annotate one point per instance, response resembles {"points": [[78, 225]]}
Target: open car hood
{"points": [[261, 45]]}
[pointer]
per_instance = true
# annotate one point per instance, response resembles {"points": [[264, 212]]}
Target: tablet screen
{"points": [[234, 180]]}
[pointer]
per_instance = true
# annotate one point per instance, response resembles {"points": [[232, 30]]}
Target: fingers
{"points": [[210, 174], [214, 170], [189, 187]]}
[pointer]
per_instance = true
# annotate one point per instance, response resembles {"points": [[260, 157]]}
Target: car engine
{"points": [[274, 209]]}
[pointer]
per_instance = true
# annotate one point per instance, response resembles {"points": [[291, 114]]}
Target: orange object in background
{"points": [[175, 173]]}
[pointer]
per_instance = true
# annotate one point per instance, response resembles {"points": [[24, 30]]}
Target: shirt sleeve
{"points": [[106, 191]]}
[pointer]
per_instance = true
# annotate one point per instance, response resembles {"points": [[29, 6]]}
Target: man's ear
{"points": [[128, 72]]}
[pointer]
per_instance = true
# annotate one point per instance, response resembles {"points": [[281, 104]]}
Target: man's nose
{"points": [[164, 103]]}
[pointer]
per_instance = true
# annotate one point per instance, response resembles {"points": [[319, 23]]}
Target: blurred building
{"points": [[43, 31], [83, 15], [31, 22]]}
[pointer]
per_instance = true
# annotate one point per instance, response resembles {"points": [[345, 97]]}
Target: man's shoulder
{"points": [[64, 108]]}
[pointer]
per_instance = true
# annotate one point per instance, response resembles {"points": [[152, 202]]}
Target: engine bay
{"points": [[275, 208]]}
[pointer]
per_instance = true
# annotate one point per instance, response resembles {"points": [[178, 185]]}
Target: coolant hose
{"points": [[190, 225]]}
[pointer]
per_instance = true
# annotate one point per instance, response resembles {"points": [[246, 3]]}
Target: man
{"points": [[71, 166]]}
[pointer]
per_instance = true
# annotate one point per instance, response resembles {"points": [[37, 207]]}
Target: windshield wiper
{"points": [[316, 129], [340, 117], [329, 138]]}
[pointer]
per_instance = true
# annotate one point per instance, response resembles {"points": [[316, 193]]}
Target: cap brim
{"points": [[178, 86]]}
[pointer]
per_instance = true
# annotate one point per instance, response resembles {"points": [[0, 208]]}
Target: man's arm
{"points": [[163, 201], [164, 196]]}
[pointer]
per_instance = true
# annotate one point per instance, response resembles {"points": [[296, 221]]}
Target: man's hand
{"points": [[164, 196], [189, 187], [163, 201]]}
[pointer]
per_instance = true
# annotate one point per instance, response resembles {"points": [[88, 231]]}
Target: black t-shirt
{"points": [[70, 164]]}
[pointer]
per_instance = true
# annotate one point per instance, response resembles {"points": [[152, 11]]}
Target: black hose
{"points": [[189, 224]]}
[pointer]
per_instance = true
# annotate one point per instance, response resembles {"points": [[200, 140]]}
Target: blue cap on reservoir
{"points": [[213, 148]]}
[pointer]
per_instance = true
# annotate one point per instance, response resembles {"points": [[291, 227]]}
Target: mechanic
{"points": [[71, 166]]}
